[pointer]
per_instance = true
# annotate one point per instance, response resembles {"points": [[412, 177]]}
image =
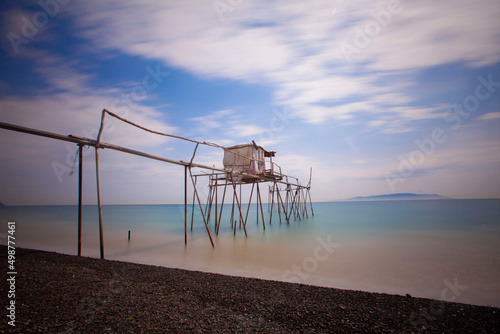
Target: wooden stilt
{"points": [[201, 208], [241, 216], [304, 204], [216, 208], [310, 201], [208, 205], [232, 211], [295, 202], [286, 208], [192, 210], [249, 202], [239, 209], [80, 200], [282, 206], [277, 200], [101, 239], [259, 200], [271, 199], [257, 206], [222, 205], [185, 204]]}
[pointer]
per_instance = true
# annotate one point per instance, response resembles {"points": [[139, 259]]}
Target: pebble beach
{"points": [[57, 293]]}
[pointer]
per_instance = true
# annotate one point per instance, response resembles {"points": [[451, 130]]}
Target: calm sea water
{"points": [[440, 249]]}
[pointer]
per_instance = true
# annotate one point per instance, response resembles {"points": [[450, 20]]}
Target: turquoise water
{"points": [[441, 249]]}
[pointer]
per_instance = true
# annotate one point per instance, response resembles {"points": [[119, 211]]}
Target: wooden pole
{"points": [[192, 211], [101, 241], [278, 200], [271, 205], [304, 204], [249, 202], [216, 209], [239, 208], [241, 219], [80, 200], [259, 200], [222, 206], [185, 205], [269, 199], [232, 211], [201, 209], [310, 201], [294, 207], [285, 208], [257, 205], [210, 197]]}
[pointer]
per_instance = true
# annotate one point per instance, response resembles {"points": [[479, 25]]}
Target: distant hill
{"points": [[400, 196], [1, 204]]}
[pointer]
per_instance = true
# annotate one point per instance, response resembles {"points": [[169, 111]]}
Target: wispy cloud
{"points": [[295, 46]]}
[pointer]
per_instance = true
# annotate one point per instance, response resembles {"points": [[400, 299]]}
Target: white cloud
{"points": [[211, 121], [295, 46], [244, 130]]}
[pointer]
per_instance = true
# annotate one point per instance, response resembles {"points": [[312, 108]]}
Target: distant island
{"points": [[1, 204], [400, 196]]}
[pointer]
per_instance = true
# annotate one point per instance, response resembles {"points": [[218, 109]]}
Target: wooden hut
{"points": [[248, 159]]}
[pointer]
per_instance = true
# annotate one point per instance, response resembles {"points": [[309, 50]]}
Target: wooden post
{"points": [[249, 202], [270, 205], [192, 211], [208, 205], [101, 241], [216, 209], [280, 200], [185, 206], [241, 216], [304, 204], [310, 201], [234, 195], [239, 208], [201, 208], [259, 202], [222, 205], [80, 200], [128, 235], [278, 195]]}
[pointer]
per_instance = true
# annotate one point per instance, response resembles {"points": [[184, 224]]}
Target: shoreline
{"points": [[67, 293]]}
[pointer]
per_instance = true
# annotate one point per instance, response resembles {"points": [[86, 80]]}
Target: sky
{"points": [[377, 97]]}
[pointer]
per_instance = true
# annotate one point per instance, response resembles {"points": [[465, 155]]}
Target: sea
{"points": [[447, 249]]}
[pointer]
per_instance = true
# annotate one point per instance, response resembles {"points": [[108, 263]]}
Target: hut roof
{"points": [[266, 153]]}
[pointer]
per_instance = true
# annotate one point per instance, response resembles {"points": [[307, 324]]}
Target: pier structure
{"points": [[245, 165], [287, 198]]}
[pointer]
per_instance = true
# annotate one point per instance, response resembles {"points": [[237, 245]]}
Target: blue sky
{"points": [[376, 96]]}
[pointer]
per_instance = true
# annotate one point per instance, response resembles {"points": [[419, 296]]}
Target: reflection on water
{"points": [[415, 247]]}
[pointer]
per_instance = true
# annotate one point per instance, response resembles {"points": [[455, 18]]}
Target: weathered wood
{"points": [[185, 204], [201, 209], [80, 198], [259, 200], [99, 204]]}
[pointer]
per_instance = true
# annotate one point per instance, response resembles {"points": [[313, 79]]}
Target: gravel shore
{"points": [[58, 293]]}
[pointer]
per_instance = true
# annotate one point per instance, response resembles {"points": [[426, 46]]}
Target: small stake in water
{"points": [[128, 235]]}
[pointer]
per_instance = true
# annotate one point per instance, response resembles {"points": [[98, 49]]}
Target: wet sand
{"points": [[58, 293]]}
